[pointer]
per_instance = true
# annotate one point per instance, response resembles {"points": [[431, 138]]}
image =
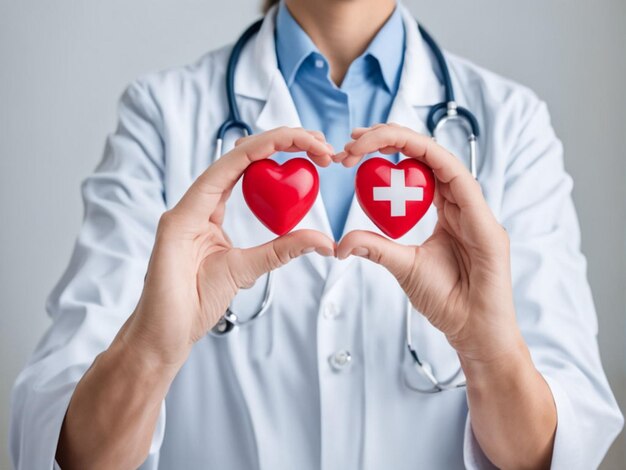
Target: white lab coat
{"points": [[266, 395]]}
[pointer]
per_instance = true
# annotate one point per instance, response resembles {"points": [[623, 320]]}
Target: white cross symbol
{"points": [[398, 193]]}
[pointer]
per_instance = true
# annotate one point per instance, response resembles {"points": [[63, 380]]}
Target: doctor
{"points": [[128, 374]]}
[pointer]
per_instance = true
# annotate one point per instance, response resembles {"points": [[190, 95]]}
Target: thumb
{"points": [[398, 259], [254, 262]]}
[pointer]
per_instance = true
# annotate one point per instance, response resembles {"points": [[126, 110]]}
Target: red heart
{"points": [[280, 195], [410, 185]]}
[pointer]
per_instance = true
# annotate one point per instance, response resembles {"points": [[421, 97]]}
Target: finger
{"points": [[438, 196], [351, 160], [447, 167], [398, 259], [313, 155], [339, 157], [242, 139], [251, 263], [445, 192], [388, 150], [321, 162], [359, 131], [217, 217], [346, 159], [317, 134], [285, 139], [411, 144], [322, 138], [225, 172], [452, 215], [201, 199]]}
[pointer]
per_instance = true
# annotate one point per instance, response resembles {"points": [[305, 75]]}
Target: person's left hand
{"points": [[459, 278]]}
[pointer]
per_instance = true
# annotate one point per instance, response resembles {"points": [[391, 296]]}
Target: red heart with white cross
{"points": [[280, 195], [395, 197]]}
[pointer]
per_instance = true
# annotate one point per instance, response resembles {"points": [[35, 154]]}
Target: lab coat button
{"points": [[331, 311], [340, 360]]}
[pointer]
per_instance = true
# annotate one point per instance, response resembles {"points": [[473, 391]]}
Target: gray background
{"points": [[63, 65]]}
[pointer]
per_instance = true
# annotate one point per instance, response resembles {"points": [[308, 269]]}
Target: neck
{"points": [[341, 29]]}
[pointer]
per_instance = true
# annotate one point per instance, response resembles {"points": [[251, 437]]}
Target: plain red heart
{"points": [[394, 197], [280, 195]]}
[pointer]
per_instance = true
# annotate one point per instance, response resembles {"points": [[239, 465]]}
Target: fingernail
{"points": [[360, 251], [308, 250], [325, 251]]}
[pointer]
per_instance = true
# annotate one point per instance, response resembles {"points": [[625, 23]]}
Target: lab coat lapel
{"points": [[259, 79]]}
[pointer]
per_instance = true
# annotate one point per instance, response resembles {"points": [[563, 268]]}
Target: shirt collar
{"points": [[387, 48], [294, 46]]}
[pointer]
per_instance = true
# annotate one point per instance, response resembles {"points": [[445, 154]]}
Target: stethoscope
{"points": [[441, 114]]}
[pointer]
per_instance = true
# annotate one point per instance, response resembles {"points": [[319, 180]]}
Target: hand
{"points": [[460, 277], [194, 271]]}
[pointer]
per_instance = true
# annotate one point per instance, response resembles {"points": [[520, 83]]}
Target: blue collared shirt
{"points": [[363, 99]]}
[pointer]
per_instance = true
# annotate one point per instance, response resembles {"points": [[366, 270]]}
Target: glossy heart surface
{"points": [[394, 197], [280, 195]]}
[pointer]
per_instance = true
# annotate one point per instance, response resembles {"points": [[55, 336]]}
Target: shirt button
{"points": [[331, 311], [319, 63], [340, 360]]}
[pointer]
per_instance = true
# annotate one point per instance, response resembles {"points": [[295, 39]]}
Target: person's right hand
{"points": [[194, 271]]}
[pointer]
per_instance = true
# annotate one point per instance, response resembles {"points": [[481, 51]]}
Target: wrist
{"points": [[132, 370], [489, 341], [142, 356], [501, 367], [512, 409]]}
